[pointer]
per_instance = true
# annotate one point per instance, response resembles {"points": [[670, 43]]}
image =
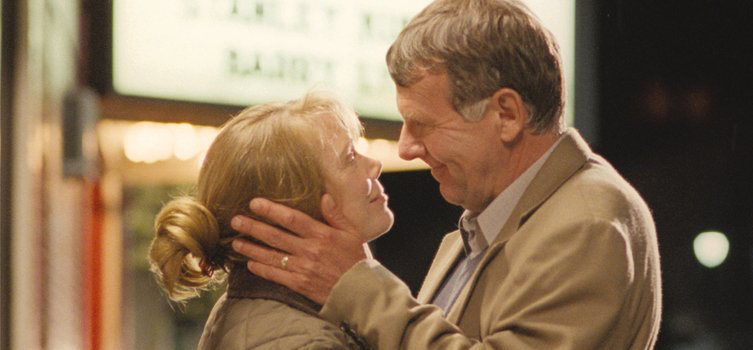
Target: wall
{"points": [[46, 229]]}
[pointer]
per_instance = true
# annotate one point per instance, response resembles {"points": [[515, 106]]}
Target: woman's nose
{"points": [[375, 168]]}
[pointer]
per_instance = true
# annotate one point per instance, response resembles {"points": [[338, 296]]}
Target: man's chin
{"points": [[439, 172], [450, 195]]}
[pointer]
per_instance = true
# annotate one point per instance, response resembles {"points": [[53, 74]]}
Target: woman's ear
{"points": [[512, 114]]}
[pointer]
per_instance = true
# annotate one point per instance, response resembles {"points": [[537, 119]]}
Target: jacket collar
{"points": [[242, 284], [440, 267], [567, 158]]}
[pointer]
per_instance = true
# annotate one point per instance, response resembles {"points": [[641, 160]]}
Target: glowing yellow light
{"points": [[711, 248], [151, 142], [205, 136], [147, 142], [381, 149], [362, 145], [185, 142]]}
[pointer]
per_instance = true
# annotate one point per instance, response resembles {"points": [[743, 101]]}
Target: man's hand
{"points": [[317, 255]]}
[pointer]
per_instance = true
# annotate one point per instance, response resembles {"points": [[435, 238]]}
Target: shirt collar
{"points": [[490, 221], [473, 242]]}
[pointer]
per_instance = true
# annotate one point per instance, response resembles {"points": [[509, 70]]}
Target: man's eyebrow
{"points": [[406, 113], [410, 115]]}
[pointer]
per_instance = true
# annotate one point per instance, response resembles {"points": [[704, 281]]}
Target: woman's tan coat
{"points": [[257, 314]]}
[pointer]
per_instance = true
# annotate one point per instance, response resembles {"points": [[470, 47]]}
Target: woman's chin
{"points": [[383, 228]]}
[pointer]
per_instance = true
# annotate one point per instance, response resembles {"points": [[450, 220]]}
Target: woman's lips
{"points": [[380, 198]]}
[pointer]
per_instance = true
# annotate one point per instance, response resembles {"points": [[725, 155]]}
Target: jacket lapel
{"points": [[569, 156], [449, 250]]}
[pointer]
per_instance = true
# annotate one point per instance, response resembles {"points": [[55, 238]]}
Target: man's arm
{"points": [[571, 298], [574, 290]]}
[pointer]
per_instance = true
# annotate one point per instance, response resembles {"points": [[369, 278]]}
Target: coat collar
{"points": [[567, 158], [244, 285], [444, 260]]}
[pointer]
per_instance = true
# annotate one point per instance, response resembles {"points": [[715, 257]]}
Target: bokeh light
{"points": [[711, 248], [185, 145], [148, 142], [362, 145]]}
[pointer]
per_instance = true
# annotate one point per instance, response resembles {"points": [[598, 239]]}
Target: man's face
{"points": [[468, 159]]}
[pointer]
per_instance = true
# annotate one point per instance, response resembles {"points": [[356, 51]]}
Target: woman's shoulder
{"points": [[268, 324]]}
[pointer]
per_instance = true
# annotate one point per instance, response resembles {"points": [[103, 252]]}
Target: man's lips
{"points": [[437, 170]]}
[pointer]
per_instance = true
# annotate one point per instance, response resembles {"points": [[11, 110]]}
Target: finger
{"points": [[266, 256], [333, 215], [291, 219], [270, 235]]}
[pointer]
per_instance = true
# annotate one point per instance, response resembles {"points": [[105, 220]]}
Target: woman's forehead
{"points": [[332, 127], [336, 140]]}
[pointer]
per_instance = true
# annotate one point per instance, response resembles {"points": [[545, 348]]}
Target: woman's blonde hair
{"points": [[272, 151]]}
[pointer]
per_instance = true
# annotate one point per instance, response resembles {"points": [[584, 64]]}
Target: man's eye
{"points": [[416, 126]]}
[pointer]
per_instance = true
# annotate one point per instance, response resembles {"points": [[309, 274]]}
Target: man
{"points": [[555, 250]]}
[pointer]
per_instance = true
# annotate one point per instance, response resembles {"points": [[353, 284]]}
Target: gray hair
{"points": [[484, 45]]}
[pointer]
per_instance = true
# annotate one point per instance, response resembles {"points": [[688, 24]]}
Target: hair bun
{"points": [[186, 250]]}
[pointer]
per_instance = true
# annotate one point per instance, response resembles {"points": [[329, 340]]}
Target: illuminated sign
{"points": [[244, 52]]}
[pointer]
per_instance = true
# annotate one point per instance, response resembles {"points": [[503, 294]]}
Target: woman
{"points": [[293, 153]]}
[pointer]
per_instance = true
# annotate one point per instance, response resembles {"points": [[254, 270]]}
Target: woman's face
{"points": [[351, 179]]}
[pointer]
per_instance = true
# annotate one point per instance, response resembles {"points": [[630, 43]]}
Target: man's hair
{"points": [[483, 45]]}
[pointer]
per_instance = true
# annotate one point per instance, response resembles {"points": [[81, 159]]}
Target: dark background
{"points": [[674, 89]]}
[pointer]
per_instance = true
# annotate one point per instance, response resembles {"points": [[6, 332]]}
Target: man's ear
{"points": [[512, 114]]}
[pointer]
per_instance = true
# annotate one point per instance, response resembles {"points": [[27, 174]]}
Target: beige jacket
{"points": [[575, 267], [257, 314]]}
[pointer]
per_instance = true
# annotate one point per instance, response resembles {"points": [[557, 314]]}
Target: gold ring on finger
{"points": [[284, 262]]}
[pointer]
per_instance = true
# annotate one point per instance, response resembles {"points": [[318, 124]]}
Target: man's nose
{"points": [[408, 145]]}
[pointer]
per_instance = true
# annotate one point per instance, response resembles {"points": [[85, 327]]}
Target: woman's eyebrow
{"points": [[345, 150]]}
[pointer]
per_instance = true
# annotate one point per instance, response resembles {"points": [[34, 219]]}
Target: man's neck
{"points": [[528, 150], [523, 153], [491, 219], [514, 159]]}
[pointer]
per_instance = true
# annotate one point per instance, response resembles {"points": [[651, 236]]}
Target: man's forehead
{"points": [[428, 93], [408, 110]]}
